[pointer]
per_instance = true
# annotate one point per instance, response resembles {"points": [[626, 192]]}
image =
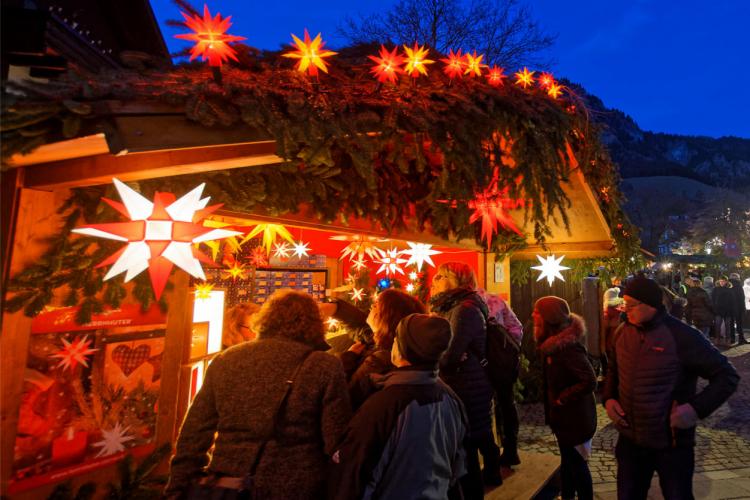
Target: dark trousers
{"points": [[737, 327], [471, 483], [636, 466], [575, 476], [506, 418]]}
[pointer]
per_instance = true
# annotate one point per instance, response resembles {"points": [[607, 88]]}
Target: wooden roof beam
{"points": [[100, 169]]}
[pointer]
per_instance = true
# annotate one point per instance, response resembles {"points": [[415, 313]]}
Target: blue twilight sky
{"points": [[675, 66]]}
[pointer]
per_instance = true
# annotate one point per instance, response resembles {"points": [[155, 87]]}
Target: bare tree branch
{"points": [[503, 30]]}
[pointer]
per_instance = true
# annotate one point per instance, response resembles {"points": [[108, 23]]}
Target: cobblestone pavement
{"points": [[723, 439]]}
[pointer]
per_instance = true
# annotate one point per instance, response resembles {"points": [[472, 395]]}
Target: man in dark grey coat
{"points": [[650, 394], [406, 441], [739, 308]]}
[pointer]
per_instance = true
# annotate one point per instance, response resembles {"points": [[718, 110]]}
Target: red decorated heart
{"points": [[130, 359]]}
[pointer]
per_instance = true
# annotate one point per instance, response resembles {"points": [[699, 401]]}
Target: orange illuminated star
{"points": [[496, 76], [203, 290], [474, 64], [236, 271], [546, 80], [415, 60], [454, 64], [209, 35], [554, 90], [388, 65], [310, 54], [488, 206], [525, 77]]}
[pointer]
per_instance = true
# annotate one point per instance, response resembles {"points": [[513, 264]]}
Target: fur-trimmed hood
{"points": [[571, 334]]}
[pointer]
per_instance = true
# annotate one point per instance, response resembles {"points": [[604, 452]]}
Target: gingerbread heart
{"points": [[130, 359]]}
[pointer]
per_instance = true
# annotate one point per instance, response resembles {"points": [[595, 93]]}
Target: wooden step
{"points": [[526, 480]]}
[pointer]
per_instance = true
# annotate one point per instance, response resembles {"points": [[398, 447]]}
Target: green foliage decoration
{"points": [[417, 150]]}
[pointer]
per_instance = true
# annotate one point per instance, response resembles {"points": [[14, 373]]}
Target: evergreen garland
{"points": [[353, 148]]}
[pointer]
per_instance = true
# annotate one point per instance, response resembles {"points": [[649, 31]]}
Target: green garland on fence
{"points": [[354, 148]]}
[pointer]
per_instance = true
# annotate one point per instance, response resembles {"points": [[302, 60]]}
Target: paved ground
{"points": [[722, 449]]}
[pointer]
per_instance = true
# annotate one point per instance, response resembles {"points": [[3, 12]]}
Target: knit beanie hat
{"points": [[708, 281], [724, 277], [553, 310], [645, 290], [422, 338], [734, 276], [612, 297]]}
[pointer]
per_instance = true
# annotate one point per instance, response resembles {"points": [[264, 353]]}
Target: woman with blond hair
{"points": [[455, 298], [238, 324], [272, 409]]}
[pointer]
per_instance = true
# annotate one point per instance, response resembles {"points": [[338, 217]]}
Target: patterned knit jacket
{"points": [[241, 391]]}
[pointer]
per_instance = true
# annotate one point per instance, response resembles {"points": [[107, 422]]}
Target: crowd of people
{"points": [[404, 407]]}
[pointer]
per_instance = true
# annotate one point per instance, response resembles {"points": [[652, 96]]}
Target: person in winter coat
{"points": [[238, 324], [569, 383], [454, 297], [506, 413], [746, 290], [230, 417], [739, 308], [406, 441], [723, 303], [611, 319], [650, 394], [362, 361], [699, 311]]}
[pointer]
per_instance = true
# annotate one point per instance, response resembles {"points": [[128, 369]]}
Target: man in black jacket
{"points": [[406, 441], [650, 394]]}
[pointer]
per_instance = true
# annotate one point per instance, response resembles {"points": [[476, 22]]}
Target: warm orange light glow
{"points": [[388, 65], [236, 271], [415, 60], [496, 76], [489, 206], [546, 80], [203, 290], [454, 64], [310, 54], [209, 35], [554, 90], [474, 64], [525, 77]]}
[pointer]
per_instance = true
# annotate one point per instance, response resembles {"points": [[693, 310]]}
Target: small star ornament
{"points": [[390, 262], [357, 294], [419, 253], [74, 353], [550, 268], [301, 249], [113, 440]]}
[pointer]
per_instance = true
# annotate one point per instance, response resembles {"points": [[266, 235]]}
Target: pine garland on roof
{"points": [[353, 147]]}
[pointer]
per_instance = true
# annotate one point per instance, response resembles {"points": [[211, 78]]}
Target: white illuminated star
{"points": [[390, 261], [410, 287], [281, 250], [359, 264], [550, 268], [419, 253], [358, 294], [300, 249], [113, 441]]}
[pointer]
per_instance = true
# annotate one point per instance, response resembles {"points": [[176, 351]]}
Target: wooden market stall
{"points": [[486, 175]]}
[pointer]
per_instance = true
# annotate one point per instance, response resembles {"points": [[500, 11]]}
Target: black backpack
{"points": [[503, 354]]}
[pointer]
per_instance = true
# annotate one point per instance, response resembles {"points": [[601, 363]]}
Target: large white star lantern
{"points": [[159, 235], [550, 268], [390, 261], [419, 253]]}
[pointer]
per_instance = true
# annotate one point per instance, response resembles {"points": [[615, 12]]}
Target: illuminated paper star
{"points": [[310, 54], [281, 250], [390, 261], [488, 206], [496, 76], [203, 290], [415, 60], [554, 90], [74, 353], [209, 35], [419, 253], [300, 249], [259, 258], [550, 268], [545, 80], [270, 233], [358, 294], [113, 441], [388, 65], [525, 78], [332, 323], [359, 264], [160, 235], [454, 64], [410, 287], [474, 64], [236, 271], [360, 246], [413, 276]]}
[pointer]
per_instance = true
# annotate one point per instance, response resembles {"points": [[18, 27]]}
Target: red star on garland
{"points": [[454, 64], [488, 206], [209, 35], [388, 65], [74, 353]]}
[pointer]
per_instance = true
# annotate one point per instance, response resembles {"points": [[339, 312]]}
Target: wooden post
{"points": [[35, 219], [176, 349]]}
